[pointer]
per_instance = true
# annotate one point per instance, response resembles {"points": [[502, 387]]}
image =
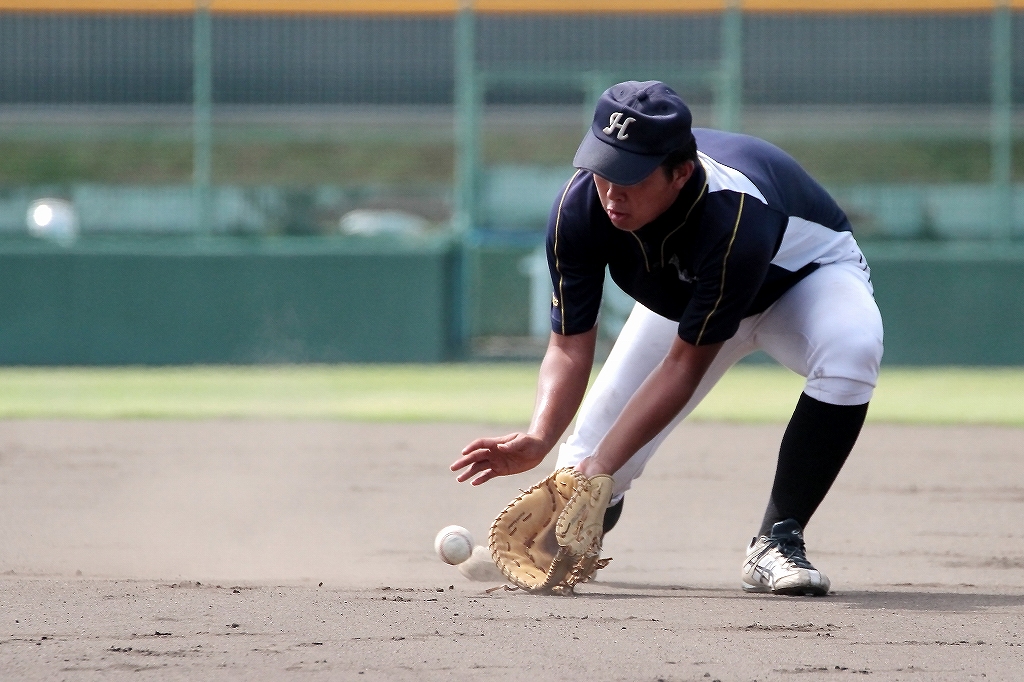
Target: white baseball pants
{"points": [[827, 328]]}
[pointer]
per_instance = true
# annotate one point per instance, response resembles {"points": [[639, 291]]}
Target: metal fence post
{"points": [[730, 90], [467, 164], [1002, 131], [202, 117], [595, 83]]}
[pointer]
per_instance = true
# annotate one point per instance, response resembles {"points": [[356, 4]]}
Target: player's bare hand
{"points": [[502, 456]]}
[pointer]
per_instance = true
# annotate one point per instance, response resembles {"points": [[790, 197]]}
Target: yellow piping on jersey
{"points": [[728, 250], [558, 269], [688, 212], [643, 251]]}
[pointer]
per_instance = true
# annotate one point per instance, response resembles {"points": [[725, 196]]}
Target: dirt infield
{"points": [[265, 550]]}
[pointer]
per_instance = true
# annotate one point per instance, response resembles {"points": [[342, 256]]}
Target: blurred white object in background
{"points": [[367, 223], [53, 219]]}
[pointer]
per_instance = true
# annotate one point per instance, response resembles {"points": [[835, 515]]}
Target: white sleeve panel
{"points": [[722, 177]]}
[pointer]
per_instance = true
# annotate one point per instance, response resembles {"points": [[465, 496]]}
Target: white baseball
{"points": [[453, 544]]}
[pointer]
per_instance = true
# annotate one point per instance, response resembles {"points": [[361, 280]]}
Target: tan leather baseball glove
{"points": [[548, 539]]}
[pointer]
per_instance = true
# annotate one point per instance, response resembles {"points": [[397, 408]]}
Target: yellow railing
{"points": [[502, 6]]}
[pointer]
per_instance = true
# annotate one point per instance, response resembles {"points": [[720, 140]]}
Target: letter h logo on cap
{"points": [[645, 122], [614, 122]]}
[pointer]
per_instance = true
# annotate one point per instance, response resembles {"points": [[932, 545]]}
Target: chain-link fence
{"points": [[907, 116]]}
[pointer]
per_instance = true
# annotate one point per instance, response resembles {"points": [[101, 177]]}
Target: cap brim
{"points": [[613, 164]]}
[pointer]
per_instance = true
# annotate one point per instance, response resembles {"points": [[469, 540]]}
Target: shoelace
{"points": [[793, 551]]}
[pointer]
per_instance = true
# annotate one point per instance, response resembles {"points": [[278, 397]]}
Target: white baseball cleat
{"points": [[778, 564]]}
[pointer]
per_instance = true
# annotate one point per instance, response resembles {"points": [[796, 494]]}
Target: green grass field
{"points": [[494, 393]]}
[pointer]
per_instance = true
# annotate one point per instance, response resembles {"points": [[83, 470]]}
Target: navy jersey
{"points": [[748, 225]]}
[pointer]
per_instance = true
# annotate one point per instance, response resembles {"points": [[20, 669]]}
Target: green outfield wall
{"points": [[323, 300], [301, 300], [941, 303], [499, 302], [950, 304]]}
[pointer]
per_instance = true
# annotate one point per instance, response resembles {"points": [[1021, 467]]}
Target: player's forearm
{"points": [[561, 384], [650, 410], [653, 407]]}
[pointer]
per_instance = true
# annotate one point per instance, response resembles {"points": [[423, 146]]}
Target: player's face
{"points": [[630, 207]]}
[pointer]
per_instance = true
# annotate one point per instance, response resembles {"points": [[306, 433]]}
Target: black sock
{"points": [[612, 514], [818, 439]]}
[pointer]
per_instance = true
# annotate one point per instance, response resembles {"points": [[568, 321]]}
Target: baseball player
{"points": [[728, 246]]}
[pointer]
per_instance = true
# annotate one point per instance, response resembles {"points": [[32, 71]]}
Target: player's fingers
{"points": [[470, 457], [509, 445], [476, 467], [484, 477], [487, 443], [460, 463], [473, 471], [478, 444]]}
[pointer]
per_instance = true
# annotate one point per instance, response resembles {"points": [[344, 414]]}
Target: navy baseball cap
{"points": [[636, 126]]}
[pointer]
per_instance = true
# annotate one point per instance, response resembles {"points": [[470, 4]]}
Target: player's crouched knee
{"points": [[847, 373], [863, 349]]}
